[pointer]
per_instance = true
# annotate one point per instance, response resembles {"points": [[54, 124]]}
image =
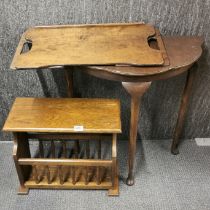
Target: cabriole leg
{"points": [[136, 91]]}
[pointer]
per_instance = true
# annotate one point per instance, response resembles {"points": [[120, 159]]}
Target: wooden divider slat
{"points": [[86, 176], [35, 174], [41, 149], [52, 149], [87, 150], [99, 149], [114, 158], [76, 155], [73, 175], [76, 148], [60, 175], [64, 149], [98, 178], [48, 175]]}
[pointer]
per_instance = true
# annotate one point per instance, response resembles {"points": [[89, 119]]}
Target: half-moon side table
{"points": [[182, 52]]}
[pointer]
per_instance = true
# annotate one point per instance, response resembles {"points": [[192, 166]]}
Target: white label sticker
{"points": [[78, 128]]}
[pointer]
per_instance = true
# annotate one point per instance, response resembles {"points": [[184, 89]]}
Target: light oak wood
{"points": [[48, 174], [65, 162], [21, 150], [101, 44], [114, 191], [62, 171], [61, 115], [23, 190], [68, 173]]}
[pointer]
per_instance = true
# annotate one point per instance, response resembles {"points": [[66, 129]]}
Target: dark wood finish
{"points": [[182, 53], [136, 91], [62, 115], [123, 44], [183, 109]]}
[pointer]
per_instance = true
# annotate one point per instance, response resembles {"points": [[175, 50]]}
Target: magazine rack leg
{"points": [[114, 191], [21, 150]]}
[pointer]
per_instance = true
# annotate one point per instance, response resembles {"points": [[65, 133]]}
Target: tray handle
{"points": [[21, 49]]}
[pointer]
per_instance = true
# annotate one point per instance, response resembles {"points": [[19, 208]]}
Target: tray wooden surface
{"points": [[100, 44], [64, 115]]}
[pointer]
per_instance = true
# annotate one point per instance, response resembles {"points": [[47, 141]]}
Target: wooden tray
{"points": [[103, 44]]}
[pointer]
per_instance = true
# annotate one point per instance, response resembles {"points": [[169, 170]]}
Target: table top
{"points": [[64, 115], [182, 51], [100, 44]]}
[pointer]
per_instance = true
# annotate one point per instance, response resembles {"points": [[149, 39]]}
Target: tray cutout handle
{"points": [[153, 43], [26, 47]]}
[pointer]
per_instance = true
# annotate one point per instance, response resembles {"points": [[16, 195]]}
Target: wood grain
{"points": [[101, 44], [63, 161], [61, 115], [182, 52]]}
